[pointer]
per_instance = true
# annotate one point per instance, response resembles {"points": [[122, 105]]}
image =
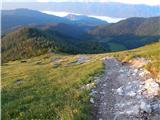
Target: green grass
{"points": [[46, 92], [53, 91]]}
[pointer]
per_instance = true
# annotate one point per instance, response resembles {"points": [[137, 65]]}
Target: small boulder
{"points": [[152, 87], [145, 107], [19, 81], [92, 100], [120, 91]]}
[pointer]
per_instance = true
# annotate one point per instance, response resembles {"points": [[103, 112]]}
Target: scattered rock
{"points": [[56, 65], [138, 62], [92, 100], [132, 111], [39, 63], [82, 59], [19, 81], [152, 87], [23, 61], [120, 91], [55, 59], [156, 107], [89, 86], [145, 107], [71, 63], [129, 91]]}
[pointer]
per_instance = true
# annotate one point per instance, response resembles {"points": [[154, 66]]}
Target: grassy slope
{"points": [[55, 93], [150, 52], [47, 92]]}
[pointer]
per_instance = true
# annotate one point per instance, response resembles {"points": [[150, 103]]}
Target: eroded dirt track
{"points": [[126, 92]]}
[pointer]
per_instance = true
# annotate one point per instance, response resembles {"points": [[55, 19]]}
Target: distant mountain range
{"points": [[131, 26], [71, 34], [20, 17], [131, 33], [111, 9]]}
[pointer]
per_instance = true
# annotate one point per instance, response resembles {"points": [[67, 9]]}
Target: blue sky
{"points": [[148, 2]]}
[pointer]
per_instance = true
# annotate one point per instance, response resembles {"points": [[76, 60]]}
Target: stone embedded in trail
{"points": [[135, 70], [152, 87], [133, 111], [143, 73], [145, 107], [156, 106], [120, 91], [131, 93]]}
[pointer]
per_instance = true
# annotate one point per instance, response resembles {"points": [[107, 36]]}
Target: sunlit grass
{"points": [[46, 92], [49, 90]]}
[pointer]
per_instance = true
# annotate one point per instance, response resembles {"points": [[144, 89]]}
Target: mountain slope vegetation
{"points": [[50, 86], [26, 42], [131, 33], [150, 52], [131, 26], [37, 39]]}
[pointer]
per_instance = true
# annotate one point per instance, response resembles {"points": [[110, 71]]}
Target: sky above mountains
{"points": [[147, 2]]}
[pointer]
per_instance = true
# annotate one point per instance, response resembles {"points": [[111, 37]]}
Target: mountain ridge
{"points": [[110, 9], [76, 38], [20, 17]]}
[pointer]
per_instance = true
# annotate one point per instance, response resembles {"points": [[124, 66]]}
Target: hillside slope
{"points": [[73, 39], [26, 42], [131, 26], [150, 52], [20, 17], [130, 33], [36, 88], [12, 19]]}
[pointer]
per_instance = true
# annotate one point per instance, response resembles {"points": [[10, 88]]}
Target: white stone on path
{"points": [[152, 87], [145, 107]]}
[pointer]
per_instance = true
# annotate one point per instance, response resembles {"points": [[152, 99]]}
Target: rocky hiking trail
{"points": [[125, 92]]}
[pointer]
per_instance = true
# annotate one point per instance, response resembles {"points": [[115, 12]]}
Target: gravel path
{"points": [[125, 93]]}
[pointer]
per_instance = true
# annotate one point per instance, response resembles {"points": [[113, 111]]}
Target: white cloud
{"points": [[148, 2], [105, 18]]}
